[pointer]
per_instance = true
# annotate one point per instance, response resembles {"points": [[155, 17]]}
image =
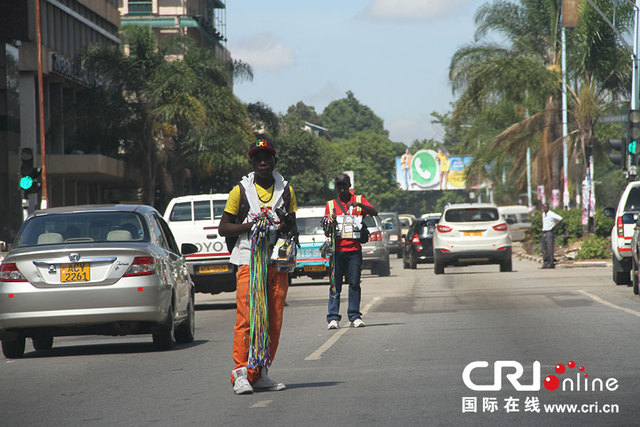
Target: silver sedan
{"points": [[95, 270]]}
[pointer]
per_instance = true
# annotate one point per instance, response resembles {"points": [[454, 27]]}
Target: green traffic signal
{"points": [[633, 146], [26, 182]]}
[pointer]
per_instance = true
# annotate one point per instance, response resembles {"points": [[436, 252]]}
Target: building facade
{"points": [[204, 21], [67, 27]]}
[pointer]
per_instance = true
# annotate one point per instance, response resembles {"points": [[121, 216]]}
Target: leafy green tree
{"points": [[305, 113], [347, 116], [180, 115]]}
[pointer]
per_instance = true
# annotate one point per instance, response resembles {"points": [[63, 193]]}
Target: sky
{"points": [[394, 55]]}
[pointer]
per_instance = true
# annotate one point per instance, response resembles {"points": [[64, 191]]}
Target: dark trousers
{"points": [[349, 265], [547, 249]]}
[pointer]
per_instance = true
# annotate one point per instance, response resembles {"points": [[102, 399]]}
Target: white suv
{"points": [[195, 219], [622, 232], [471, 234]]}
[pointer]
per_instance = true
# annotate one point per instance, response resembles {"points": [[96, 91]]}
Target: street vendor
{"points": [[261, 192]]}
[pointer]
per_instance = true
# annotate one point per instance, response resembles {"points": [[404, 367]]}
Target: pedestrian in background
{"points": [[261, 189], [550, 221], [347, 257]]}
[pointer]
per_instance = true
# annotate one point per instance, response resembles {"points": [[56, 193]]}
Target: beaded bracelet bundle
{"points": [[259, 345]]}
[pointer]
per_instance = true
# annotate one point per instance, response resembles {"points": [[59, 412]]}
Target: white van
{"points": [[195, 219], [519, 219]]}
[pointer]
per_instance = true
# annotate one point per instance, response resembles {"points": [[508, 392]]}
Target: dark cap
{"points": [[262, 144], [344, 179]]}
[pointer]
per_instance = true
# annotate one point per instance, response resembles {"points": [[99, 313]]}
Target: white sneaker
{"points": [[358, 323], [241, 384], [267, 384], [333, 325]]}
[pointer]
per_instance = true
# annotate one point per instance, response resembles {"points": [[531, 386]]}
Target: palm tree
{"points": [[181, 115], [525, 74]]}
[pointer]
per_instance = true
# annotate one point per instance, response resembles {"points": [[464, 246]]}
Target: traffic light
{"points": [[633, 146], [30, 179], [618, 155]]}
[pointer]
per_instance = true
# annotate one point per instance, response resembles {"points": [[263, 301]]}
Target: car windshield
{"points": [[310, 226], [82, 227], [471, 215]]}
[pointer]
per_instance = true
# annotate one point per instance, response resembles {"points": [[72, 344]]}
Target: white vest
{"points": [[241, 253]]}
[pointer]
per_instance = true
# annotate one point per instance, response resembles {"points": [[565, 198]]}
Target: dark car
{"points": [[418, 243], [391, 223]]}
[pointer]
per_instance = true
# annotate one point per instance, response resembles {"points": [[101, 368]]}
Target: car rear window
{"points": [[426, 228], [310, 226], [471, 215], [525, 218], [201, 210], [181, 212], [390, 219], [82, 227], [633, 200]]}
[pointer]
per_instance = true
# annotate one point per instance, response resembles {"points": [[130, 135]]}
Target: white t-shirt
{"points": [[549, 220]]}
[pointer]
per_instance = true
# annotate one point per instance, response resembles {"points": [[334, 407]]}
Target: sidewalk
{"points": [[561, 261]]}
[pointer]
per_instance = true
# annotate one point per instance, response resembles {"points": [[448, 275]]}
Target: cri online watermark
{"points": [[512, 371]]}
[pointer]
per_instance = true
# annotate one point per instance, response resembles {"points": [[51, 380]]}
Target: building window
{"points": [[140, 7]]}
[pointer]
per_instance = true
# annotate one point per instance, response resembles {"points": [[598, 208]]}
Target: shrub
{"points": [[595, 247]]}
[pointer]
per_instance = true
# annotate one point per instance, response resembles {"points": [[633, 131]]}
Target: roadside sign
{"points": [[614, 119]]}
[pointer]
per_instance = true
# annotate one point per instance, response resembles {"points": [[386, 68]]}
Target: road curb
{"points": [[570, 264]]}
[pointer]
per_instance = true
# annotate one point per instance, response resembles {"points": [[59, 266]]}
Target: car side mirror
{"points": [[188, 248], [609, 212]]}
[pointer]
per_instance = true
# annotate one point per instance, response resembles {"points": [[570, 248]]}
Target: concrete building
{"points": [[67, 27], [204, 21]]}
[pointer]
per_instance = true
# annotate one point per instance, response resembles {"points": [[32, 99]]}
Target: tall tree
{"points": [[347, 116]]}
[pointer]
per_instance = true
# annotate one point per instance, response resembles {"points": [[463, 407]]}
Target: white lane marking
{"points": [[316, 355], [261, 404], [610, 304]]}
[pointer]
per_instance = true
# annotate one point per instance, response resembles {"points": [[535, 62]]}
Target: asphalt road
{"points": [[404, 368]]}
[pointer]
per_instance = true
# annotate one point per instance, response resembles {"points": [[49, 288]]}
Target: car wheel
{"points": [[384, 269], [186, 331], [634, 278], [13, 348], [620, 277], [437, 267], [405, 264], [164, 337], [399, 254], [413, 264], [42, 342], [506, 265]]}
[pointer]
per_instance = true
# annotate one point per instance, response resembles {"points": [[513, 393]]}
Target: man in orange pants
{"points": [[261, 189]]}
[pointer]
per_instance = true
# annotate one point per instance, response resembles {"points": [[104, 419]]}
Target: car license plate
{"points": [[79, 272], [472, 233], [314, 268], [220, 268]]}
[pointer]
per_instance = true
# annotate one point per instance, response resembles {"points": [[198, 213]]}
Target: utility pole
{"points": [[43, 201]]}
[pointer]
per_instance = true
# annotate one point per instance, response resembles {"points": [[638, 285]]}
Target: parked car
{"points": [[635, 258], [471, 234], [391, 223], [625, 217], [95, 270], [405, 222], [418, 243], [375, 253], [310, 261], [195, 219], [519, 219]]}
